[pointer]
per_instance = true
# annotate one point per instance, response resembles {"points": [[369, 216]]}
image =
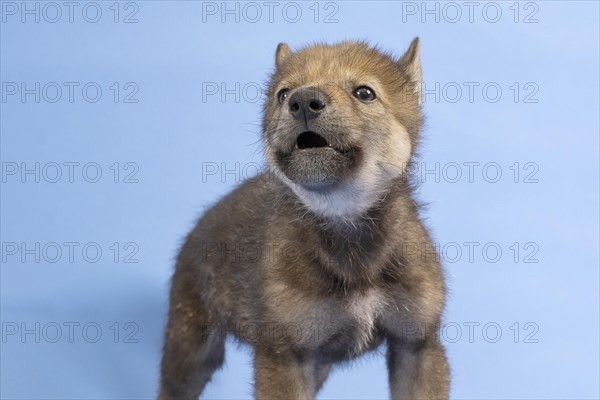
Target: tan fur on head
{"points": [[410, 62], [385, 131], [283, 52]]}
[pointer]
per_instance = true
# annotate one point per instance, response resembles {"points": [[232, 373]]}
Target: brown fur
{"points": [[311, 266], [351, 63]]}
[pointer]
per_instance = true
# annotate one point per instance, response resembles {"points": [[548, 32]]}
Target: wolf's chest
{"points": [[355, 330], [336, 327], [364, 309]]}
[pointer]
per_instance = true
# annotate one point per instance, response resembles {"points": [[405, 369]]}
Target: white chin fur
{"points": [[361, 192], [347, 202]]}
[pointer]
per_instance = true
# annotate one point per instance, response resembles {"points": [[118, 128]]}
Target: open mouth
{"points": [[311, 140], [316, 163]]}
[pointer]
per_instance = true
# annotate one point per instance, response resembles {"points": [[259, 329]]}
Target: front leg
{"points": [[418, 370], [283, 376], [322, 373]]}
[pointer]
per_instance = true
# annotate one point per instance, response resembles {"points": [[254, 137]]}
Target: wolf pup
{"points": [[313, 263]]}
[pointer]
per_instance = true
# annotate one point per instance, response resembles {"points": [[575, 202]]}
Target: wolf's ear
{"points": [[411, 64], [282, 54]]}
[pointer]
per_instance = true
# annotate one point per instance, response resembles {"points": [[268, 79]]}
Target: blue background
{"points": [[176, 128]]}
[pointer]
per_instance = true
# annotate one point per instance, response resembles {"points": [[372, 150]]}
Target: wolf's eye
{"points": [[364, 93], [282, 95]]}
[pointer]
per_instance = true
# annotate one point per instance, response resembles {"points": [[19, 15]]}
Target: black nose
{"points": [[307, 102]]}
